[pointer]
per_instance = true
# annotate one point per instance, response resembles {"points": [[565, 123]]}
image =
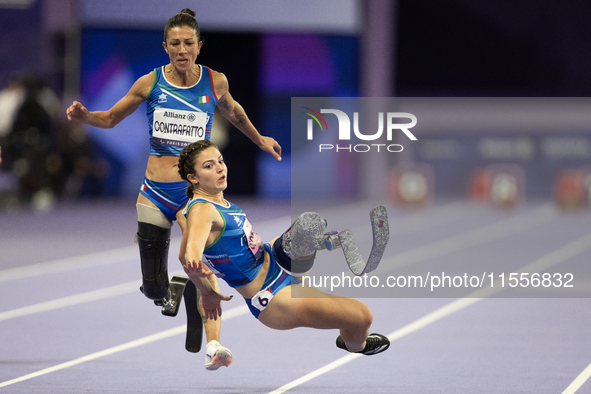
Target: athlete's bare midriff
{"points": [[250, 289], [163, 169]]}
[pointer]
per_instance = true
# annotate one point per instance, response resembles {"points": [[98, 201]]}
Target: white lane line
{"points": [[95, 295], [112, 256], [579, 381], [408, 329], [77, 299], [558, 256], [572, 249], [91, 260], [234, 312], [320, 371]]}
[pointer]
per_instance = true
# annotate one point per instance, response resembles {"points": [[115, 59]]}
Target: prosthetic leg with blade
{"points": [[307, 235], [154, 242]]}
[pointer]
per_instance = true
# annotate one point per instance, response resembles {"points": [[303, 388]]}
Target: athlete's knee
{"points": [[154, 243], [362, 317], [367, 317]]}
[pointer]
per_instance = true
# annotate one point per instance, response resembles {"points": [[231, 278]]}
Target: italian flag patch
{"points": [[203, 99]]}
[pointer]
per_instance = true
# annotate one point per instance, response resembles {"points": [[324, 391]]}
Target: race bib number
{"points": [[254, 240], [175, 127], [261, 299]]}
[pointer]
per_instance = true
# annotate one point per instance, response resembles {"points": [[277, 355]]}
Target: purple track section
{"points": [[494, 345]]}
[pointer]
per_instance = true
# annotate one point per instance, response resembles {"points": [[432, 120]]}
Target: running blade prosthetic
{"points": [[381, 235]]}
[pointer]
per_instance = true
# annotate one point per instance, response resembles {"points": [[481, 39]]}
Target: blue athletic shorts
{"points": [[276, 280], [169, 197]]}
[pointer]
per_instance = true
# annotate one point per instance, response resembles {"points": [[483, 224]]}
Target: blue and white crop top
{"points": [[236, 256], [178, 116]]}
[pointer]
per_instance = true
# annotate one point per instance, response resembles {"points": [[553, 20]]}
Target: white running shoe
{"points": [[217, 356]]}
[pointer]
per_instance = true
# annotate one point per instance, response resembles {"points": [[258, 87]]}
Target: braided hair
{"points": [[188, 158], [184, 18]]}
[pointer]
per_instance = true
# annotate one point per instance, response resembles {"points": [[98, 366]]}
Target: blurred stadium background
{"points": [[92, 51]]}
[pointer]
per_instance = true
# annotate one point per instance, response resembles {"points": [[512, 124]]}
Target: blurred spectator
{"points": [[30, 146], [11, 98], [44, 157], [84, 172]]}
